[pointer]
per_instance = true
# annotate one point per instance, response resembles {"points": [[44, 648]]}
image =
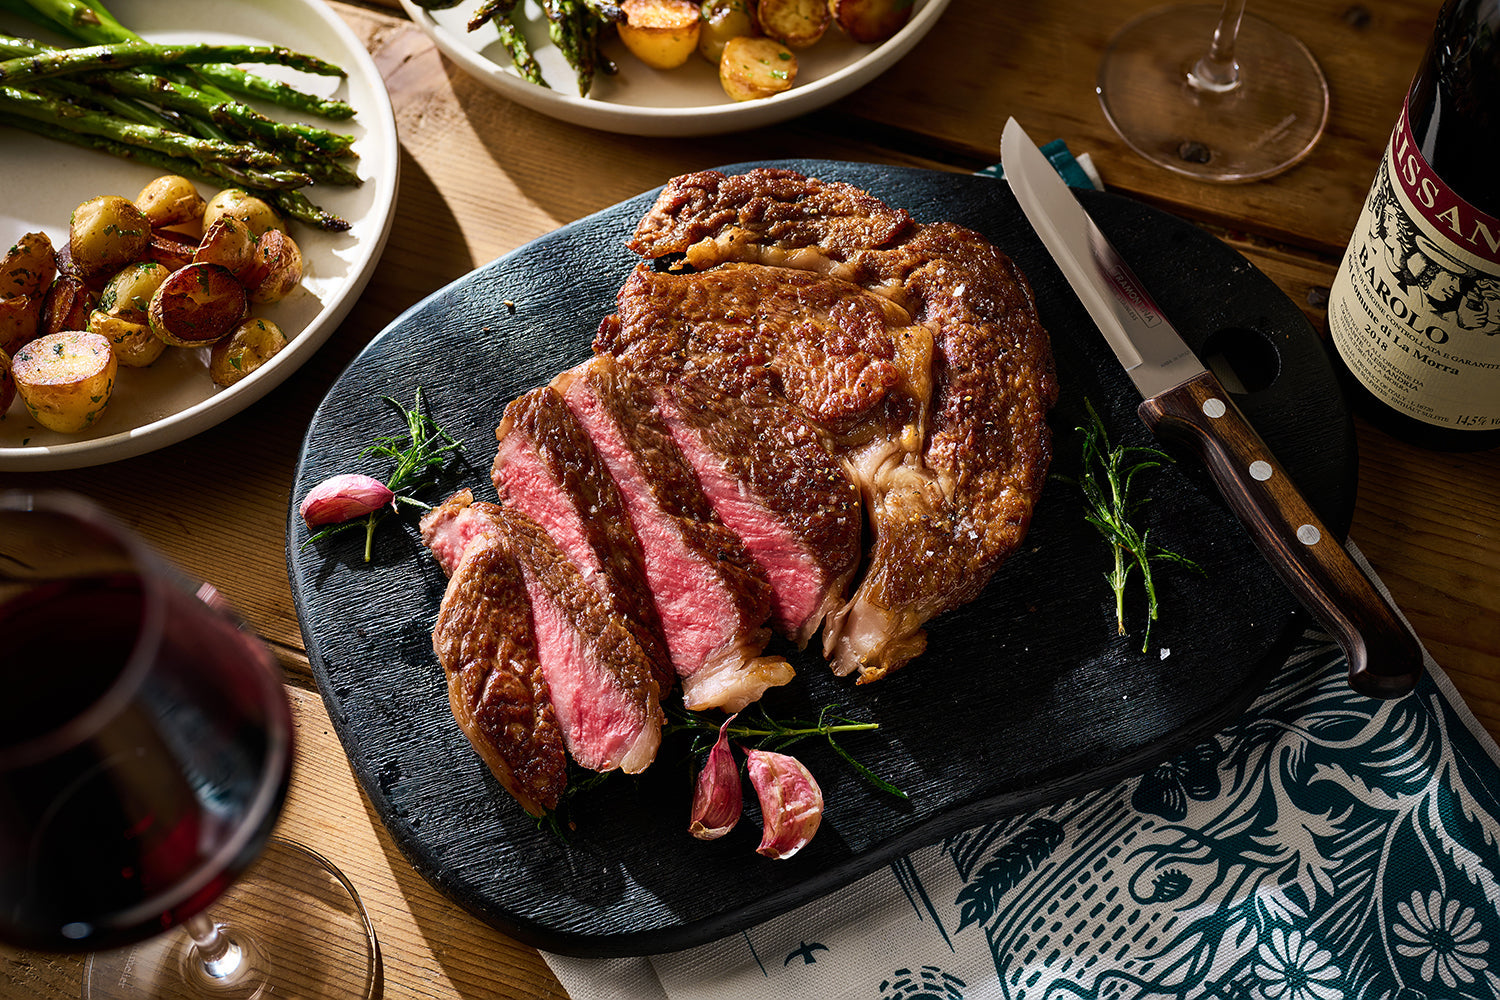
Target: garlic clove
{"points": [[791, 803], [340, 498], [717, 798]]}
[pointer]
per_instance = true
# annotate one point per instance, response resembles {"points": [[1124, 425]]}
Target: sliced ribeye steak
{"points": [[712, 598], [496, 687], [546, 467], [603, 695], [946, 437]]}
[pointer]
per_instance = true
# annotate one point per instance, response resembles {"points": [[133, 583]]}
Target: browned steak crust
{"points": [[496, 688], [780, 207]]}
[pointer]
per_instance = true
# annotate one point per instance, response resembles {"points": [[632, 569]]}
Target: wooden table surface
{"points": [[481, 176]]}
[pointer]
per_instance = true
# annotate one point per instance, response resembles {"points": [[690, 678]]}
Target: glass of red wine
{"points": [[145, 755]]}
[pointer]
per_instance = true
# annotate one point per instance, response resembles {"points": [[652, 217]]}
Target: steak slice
{"points": [[950, 466], [547, 468], [603, 695], [496, 687], [712, 599], [771, 480]]}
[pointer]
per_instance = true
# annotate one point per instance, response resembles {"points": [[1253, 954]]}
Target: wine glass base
{"points": [[302, 926], [1268, 121]]}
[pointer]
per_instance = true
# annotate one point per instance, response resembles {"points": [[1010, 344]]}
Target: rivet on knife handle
{"points": [[1385, 660]]}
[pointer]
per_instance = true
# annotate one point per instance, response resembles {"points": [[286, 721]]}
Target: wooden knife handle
{"points": [[1385, 660]]}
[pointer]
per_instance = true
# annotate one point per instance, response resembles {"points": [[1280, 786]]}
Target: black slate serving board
{"points": [[1023, 697]]}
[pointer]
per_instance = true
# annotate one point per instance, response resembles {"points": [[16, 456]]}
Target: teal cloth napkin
{"points": [[1324, 846]]}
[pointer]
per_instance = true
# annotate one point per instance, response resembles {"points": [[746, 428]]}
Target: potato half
{"points": [[28, 267], [663, 34], [197, 305], [65, 379], [252, 344], [752, 68], [870, 20], [794, 23]]}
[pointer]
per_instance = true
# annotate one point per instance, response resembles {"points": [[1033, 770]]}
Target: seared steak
{"points": [[771, 480], [713, 600], [602, 693], [496, 687], [951, 456], [547, 468]]}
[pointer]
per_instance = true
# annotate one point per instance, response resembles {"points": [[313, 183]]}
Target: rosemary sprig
{"points": [[1107, 477], [419, 455], [755, 726]]}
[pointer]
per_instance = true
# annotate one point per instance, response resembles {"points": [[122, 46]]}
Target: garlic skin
{"points": [[717, 798], [340, 498], [791, 803]]}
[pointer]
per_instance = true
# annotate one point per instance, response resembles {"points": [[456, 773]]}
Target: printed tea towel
{"points": [[1324, 846]]}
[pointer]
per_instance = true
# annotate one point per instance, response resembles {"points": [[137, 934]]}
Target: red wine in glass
{"points": [[145, 755]]}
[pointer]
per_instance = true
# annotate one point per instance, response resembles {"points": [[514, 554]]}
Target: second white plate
{"points": [[640, 100]]}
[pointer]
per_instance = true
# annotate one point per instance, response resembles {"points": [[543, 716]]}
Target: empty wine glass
{"points": [[145, 754], [1213, 92]]}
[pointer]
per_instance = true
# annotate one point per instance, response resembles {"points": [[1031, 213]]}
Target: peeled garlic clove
{"points": [[717, 799], [341, 498], [791, 803]]}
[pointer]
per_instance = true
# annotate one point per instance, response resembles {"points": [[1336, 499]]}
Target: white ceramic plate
{"points": [[43, 180], [640, 100]]}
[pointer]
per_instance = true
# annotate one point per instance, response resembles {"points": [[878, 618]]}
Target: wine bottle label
{"points": [[1415, 309]]}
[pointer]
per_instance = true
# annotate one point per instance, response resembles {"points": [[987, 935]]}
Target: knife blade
{"points": [[1183, 400]]}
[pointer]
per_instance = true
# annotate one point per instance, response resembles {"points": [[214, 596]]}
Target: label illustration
{"points": [[1415, 309]]}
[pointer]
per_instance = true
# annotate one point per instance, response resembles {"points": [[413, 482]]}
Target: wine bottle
{"points": [[1414, 312]]}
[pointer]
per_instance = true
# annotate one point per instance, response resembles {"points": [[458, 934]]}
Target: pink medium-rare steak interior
{"points": [[496, 687], [603, 689], [599, 684], [712, 599], [771, 479], [949, 488], [546, 466]]}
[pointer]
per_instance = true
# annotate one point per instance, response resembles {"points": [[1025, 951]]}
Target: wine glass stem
{"points": [[220, 956], [1216, 70]]}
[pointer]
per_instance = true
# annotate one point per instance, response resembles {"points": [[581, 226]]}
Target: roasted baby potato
{"points": [[65, 379], [249, 346], [122, 316], [229, 243], [67, 305], [7, 384], [276, 269], [723, 20], [132, 341], [170, 248], [870, 20], [662, 34], [128, 294], [105, 234], [20, 321], [795, 23], [752, 68], [242, 205], [197, 305], [28, 267], [170, 200]]}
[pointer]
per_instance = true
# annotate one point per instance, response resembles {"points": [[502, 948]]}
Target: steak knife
{"points": [[1183, 400]]}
